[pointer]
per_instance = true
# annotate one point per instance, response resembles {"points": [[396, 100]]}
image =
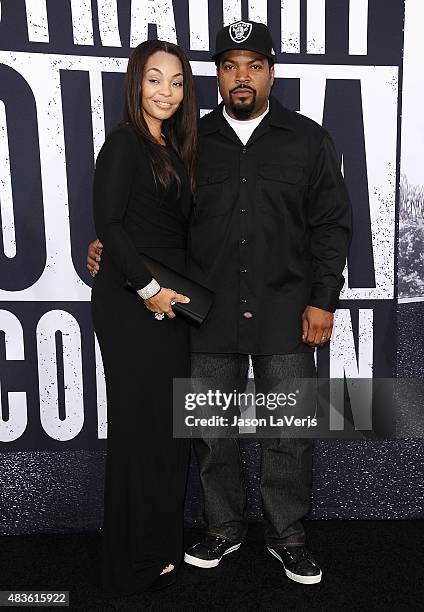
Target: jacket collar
{"points": [[278, 116]]}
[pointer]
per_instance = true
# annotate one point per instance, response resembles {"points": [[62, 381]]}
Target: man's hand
{"points": [[317, 325], [161, 302], [94, 254]]}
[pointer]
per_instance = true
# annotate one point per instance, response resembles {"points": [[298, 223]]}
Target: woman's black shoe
{"points": [[163, 581]]}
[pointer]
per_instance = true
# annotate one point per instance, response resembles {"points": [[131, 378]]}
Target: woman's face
{"points": [[162, 88]]}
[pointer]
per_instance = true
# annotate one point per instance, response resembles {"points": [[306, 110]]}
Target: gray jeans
{"points": [[286, 465]]}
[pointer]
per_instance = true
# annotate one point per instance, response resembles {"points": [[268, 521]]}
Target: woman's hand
{"points": [[161, 302], [94, 254]]}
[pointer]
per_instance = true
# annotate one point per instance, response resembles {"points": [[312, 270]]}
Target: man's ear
{"points": [[217, 78], [272, 74]]}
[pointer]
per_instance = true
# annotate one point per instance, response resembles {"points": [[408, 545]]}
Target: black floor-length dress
{"points": [[145, 467]]}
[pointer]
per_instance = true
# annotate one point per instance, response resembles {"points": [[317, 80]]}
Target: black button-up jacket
{"points": [[270, 231]]}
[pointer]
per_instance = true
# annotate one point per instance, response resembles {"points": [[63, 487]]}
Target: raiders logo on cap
{"points": [[240, 31], [246, 35]]}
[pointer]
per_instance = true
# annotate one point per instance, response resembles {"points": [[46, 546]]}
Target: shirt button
{"points": [[243, 301], [248, 314], [243, 210], [244, 151], [243, 179], [243, 241], [243, 270]]}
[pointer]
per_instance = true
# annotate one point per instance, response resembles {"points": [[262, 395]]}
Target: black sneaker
{"points": [[298, 563], [210, 551]]}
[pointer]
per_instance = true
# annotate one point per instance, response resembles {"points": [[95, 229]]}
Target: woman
{"points": [[143, 185]]}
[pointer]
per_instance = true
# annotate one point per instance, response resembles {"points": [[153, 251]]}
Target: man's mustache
{"points": [[242, 87]]}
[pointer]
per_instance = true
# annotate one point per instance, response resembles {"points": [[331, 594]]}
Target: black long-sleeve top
{"points": [[132, 214]]}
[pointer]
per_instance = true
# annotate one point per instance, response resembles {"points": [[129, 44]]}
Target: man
{"points": [[270, 235]]}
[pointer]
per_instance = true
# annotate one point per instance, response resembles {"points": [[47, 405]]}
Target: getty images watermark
{"points": [[228, 403], [299, 408]]}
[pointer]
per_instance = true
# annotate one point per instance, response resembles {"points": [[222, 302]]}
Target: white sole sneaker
{"points": [[296, 577], [204, 562]]}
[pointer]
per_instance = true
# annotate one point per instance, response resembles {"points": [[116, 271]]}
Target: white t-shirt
{"points": [[244, 128]]}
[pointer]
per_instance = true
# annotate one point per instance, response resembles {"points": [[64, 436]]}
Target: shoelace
{"points": [[302, 554], [213, 544]]}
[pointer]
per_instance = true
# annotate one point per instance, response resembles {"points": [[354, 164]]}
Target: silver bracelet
{"points": [[149, 290]]}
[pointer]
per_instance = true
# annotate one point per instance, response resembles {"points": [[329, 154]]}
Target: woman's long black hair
{"points": [[181, 128]]}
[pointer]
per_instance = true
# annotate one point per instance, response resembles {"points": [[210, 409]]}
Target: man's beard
{"points": [[241, 110]]}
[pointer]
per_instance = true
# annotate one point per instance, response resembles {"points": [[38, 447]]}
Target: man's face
{"points": [[245, 80]]}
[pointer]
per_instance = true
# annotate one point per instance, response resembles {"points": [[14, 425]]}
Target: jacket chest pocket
{"points": [[280, 186], [212, 192]]}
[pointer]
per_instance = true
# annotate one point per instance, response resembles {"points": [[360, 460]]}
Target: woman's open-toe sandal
{"points": [[164, 580]]}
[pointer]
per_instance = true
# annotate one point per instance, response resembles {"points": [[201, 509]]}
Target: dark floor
{"points": [[367, 565]]}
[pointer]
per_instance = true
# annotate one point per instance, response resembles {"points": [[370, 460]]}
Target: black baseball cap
{"points": [[248, 35]]}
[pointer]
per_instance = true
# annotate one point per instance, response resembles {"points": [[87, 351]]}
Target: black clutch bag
{"points": [[201, 298]]}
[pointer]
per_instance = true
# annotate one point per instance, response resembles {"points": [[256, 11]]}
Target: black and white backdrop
{"points": [[353, 65]]}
